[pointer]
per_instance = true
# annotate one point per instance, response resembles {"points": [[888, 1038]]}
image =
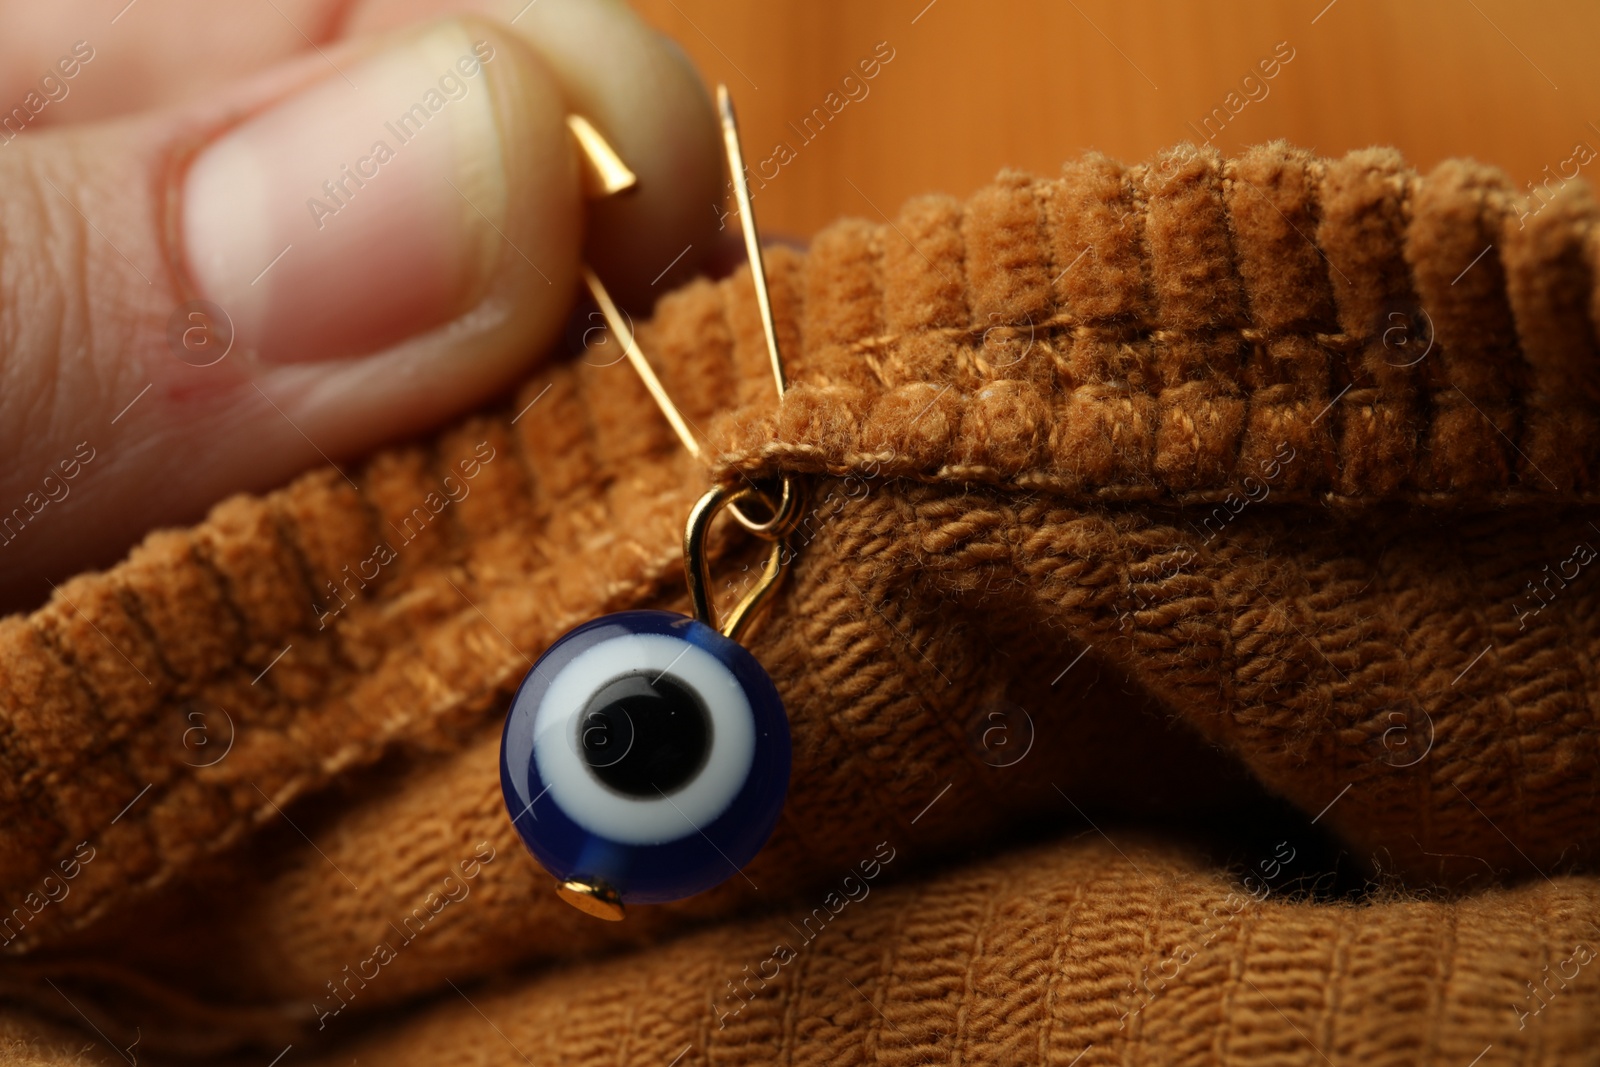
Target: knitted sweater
{"points": [[1191, 657]]}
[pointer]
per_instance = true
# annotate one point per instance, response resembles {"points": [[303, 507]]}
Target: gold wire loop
{"points": [[782, 513], [697, 567]]}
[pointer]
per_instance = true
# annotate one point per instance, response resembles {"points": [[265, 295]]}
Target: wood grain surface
{"points": [[978, 85]]}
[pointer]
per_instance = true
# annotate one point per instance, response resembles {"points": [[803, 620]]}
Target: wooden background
{"points": [[977, 85]]}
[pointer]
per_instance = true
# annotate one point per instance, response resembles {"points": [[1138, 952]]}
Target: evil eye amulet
{"points": [[647, 755]]}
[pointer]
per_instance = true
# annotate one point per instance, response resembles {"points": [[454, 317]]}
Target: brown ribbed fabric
{"points": [[1249, 479]]}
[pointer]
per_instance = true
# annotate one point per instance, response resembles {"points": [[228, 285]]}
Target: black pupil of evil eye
{"points": [[644, 736]]}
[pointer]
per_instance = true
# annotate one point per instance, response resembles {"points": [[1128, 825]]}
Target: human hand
{"points": [[234, 245]]}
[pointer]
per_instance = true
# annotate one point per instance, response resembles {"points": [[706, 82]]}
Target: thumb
{"points": [[337, 253]]}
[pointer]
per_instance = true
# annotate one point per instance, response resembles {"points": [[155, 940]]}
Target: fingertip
{"points": [[352, 295]]}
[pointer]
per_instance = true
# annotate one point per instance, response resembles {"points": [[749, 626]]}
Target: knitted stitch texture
{"points": [[1254, 495]]}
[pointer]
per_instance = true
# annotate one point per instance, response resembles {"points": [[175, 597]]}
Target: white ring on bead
{"points": [[630, 820]]}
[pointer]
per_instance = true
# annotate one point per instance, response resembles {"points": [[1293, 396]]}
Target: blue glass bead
{"points": [[647, 751]]}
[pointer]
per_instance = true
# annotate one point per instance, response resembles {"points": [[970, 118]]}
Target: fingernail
{"points": [[363, 210]]}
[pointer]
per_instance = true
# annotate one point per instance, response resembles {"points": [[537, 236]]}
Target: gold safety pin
{"points": [[606, 176]]}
